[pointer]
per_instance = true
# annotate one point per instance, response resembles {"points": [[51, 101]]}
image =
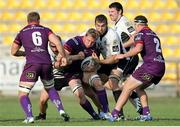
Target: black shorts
{"points": [[128, 66], [106, 69], [59, 83]]}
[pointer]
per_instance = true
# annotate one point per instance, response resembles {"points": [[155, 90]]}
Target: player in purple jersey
{"points": [[34, 38], [61, 81], [151, 71], [86, 45]]}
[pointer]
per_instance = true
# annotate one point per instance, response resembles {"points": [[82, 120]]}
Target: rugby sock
{"points": [[146, 110], [116, 95], [26, 105], [136, 99], [115, 113], [88, 107], [55, 98], [102, 96]]}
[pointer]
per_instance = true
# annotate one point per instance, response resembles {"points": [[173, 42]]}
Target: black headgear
{"points": [[140, 19]]}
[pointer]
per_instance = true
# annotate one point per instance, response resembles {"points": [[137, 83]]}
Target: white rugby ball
{"points": [[89, 64]]}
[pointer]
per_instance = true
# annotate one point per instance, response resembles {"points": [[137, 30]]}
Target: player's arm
{"points": [[134, 51], [15, 50], [54, 39], [129, 43], [109, 60], [79, 56]]}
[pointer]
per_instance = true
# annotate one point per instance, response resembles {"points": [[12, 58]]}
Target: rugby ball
{"points": [[89, 64]]}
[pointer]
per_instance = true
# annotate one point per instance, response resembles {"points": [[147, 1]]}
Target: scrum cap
{"points": [[140, 19]]}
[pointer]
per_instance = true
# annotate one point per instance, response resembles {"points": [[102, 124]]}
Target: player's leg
{"points": [[95, 81], [28, 78], [48, 82], [78, 91], [128, 70], [24, 90], [59, 83], [113, 82], [129, 85], [91, 94], [44, 97]]}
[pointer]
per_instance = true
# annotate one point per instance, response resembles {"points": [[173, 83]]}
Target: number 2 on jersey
{"points": [[158, 48], [36, 37]]}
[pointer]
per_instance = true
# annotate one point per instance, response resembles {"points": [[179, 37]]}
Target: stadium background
{"points": [[68, 18]]}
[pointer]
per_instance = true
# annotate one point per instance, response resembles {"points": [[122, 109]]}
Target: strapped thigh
{"points": [[48, 83], [115, 77], [92, 78], [77, 86], [23, 87]]}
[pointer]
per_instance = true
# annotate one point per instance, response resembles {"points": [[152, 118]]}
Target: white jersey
{"points": [[109, 44], [124, 28]]}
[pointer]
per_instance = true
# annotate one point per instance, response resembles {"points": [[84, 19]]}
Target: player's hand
{"points": [[95, 57], [69, 60], [57, 64], [64, 62], [81, 55], [119, 56], [59, 57]]}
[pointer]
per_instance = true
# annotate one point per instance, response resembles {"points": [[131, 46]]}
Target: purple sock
{"points": [[102, 96], [115, 113], [26, 105], [146, 111], [88, 107], [55, 98]]}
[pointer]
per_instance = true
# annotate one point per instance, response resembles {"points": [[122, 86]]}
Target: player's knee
{"points": [[78, 90], [96, 82], [114, 81]]}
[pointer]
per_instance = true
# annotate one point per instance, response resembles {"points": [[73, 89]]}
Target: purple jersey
{"points": [[74, 46], [154, 62], [34, 39]]}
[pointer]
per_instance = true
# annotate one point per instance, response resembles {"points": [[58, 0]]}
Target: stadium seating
{"points": [[71, 17]]}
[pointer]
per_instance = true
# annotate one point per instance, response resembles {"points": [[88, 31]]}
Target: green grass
{"points": [[165, 111]]}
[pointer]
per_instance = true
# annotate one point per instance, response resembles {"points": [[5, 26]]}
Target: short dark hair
{"points": [[140, 19], [101, 18], [33, 17], [93, 32], [117, 5]]}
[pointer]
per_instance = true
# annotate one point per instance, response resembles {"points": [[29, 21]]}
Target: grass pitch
{"points": [[165, 111]]}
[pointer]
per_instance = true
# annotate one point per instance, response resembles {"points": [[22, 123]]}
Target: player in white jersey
{"points": [[122, 25], [109, 45]]}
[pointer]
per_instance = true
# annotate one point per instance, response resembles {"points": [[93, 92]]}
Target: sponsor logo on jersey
{"points": [[130, 29], [159, 58], [115, 48], [147, 77], [30, 75]]}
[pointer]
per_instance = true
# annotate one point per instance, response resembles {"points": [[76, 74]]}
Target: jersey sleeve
{"points": [[139, 39], [49, 31], [17, 39], [69, 45]]}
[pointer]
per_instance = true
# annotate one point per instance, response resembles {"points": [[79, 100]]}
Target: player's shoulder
{"points": [[124, 21]]}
